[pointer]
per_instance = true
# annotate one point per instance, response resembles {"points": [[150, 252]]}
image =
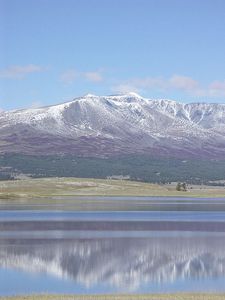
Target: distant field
{"points": [[124, 297], [53, 187]]}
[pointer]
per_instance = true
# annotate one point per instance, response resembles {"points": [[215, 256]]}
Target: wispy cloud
{"points": [[125, 88], [217, 89], [19, 72], [183, 83], [70, 76], [188, 85], [93, 76]]}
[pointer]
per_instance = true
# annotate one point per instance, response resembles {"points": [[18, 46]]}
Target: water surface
{"points": [[65, 251]]}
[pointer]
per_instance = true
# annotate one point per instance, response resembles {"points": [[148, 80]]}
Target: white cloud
{"points": [[93, 76], [151, 82], [19, 72], [217, 89], [138, 85], [176, 82], [183, 83], [71, 75], [125, 88]]}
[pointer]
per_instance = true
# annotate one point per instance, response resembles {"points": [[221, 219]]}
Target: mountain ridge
{"points": [[102, 126]]}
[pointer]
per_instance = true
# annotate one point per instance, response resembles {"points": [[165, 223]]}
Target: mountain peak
{"points": [[89, 96], [125, 97], [133, 94]]}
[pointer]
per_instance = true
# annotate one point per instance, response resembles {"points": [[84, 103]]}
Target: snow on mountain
{"points": [[116, 124]]}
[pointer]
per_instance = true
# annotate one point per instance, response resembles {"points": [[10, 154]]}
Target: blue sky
{"points": [[54, 50]]}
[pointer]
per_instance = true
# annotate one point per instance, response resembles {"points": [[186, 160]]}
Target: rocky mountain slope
{"points": [[93, 126]]}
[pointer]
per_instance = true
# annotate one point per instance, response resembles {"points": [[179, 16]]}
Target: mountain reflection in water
{"points": [[121, 263]]}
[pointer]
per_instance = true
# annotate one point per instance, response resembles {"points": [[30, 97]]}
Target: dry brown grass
{"points": [[50, 187]]}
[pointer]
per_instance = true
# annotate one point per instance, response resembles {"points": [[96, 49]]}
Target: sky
{"points": [[52, 51]]}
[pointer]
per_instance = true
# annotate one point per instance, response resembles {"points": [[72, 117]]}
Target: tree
{"points": [[181, 187], [178, 187], [184, 186]]}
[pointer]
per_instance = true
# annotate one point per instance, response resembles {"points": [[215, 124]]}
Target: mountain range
{"points": [[107, 126]]}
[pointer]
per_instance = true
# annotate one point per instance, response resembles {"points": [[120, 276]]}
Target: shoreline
{"points": [[39, 189]]}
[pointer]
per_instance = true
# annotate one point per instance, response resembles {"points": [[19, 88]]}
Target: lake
{"points": [[166, 245]]}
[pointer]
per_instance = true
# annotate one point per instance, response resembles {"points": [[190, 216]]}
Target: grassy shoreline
{"points": [[176, 296], [77, 187]]}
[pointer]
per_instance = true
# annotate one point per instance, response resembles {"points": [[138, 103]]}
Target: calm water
{"points": [[166, 250]]}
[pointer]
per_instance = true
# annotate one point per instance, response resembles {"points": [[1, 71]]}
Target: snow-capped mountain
{"points": [[118, 124]]}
